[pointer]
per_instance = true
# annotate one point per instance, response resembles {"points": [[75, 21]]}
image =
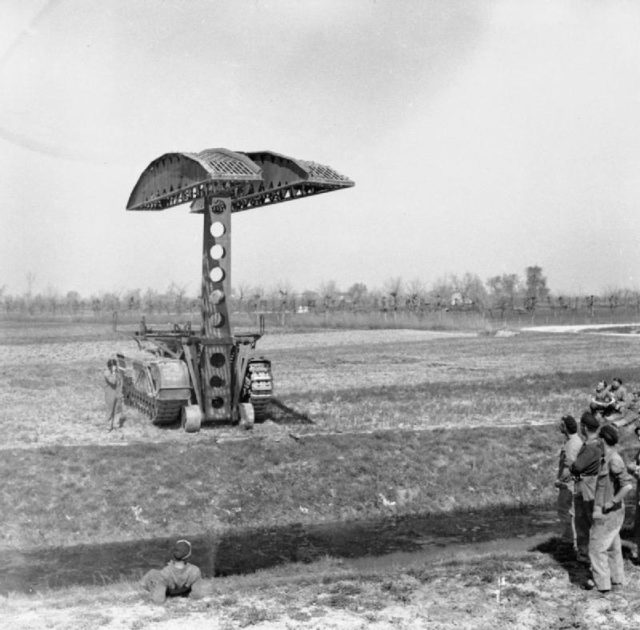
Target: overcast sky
{"points": [[482, 136]]}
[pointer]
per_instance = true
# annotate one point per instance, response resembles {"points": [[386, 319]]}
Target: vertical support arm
{"points": [[216, 286]]}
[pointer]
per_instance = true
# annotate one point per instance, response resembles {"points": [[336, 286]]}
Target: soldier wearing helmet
{"points": [[178, 578]]}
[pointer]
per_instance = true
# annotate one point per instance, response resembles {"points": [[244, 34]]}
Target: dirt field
{"points": [[51, 388], [390, 388]]}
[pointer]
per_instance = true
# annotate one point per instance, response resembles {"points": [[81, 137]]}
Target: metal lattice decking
{"points": [[250, 179]]}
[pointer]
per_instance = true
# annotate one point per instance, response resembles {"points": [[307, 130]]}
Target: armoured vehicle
{"points": [[212, 375]]}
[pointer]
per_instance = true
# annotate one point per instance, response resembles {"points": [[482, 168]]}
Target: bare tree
{"points": [[358, 294], [536, 287], [416, 294], [329, 293], [31, 280], [393, 289], [473, 291], [503, 291]]}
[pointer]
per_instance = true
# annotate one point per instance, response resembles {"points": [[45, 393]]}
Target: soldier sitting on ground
{"points": [[602, 402], [625, 409], [178, 578]]}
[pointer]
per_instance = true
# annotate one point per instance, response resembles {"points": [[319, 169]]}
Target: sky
{"points": [[482, 136]]}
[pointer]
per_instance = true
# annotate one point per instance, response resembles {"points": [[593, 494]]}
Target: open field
{"points": [[51, 392], [144, 482], [65, 495], [368, 425]]}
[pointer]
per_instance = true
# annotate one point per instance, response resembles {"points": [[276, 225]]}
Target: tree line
{"points": [[500, 295]]}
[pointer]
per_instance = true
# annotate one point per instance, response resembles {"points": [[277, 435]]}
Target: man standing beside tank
{"points": [[564, 481], [113, 393], [585, 469]]}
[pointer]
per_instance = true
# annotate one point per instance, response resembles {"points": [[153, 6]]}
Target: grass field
{"points": [[51, 391], [366, 424], [68, 495]]}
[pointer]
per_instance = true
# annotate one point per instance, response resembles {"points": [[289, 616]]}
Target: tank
{"points": [[212, 375]]}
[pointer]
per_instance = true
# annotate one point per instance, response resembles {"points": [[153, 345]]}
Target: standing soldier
{"points": [[605, 549], [113, 393], [634, 469], [564, 482], [585, 469]]}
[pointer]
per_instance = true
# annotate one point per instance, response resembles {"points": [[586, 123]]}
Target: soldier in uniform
{"points": [[613, 484], [602, 402], [113, 393], [634, 469], [564, 481], [585, 469], [178, 578], [625, 410]]}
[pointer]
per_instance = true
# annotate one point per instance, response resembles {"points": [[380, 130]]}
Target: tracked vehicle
{"points": [[212, 375]]}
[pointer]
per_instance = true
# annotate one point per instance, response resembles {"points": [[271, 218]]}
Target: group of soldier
{"points": [[593, 481]]}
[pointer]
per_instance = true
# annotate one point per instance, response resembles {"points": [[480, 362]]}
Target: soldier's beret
{"points": [[609, 434], [589, 421]]}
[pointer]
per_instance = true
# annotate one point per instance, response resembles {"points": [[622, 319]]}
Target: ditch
{"points": [[251, 549]]}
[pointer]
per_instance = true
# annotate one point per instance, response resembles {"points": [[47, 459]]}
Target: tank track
{"points": [[259, 390], [159, 411]]}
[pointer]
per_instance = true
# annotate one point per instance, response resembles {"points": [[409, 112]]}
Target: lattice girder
{"points": [[249, 179]]}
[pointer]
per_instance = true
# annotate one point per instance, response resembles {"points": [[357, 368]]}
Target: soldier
{"points": [[564, 481], [585, 470], [634, 469], [602, 402], [113, 393], [613, 484], [624, 411], [178, 578]]}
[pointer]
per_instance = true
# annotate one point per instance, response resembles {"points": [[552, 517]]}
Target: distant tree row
{"points": [[498, 296], [173, 300]]}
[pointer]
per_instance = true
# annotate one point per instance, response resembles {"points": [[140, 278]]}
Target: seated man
{"points": [[625, 407], [602, 402], [177, 578]]}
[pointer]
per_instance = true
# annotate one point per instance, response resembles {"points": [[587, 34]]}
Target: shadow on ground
{"points": [[250, 549], [282, 414], [579, 572]]}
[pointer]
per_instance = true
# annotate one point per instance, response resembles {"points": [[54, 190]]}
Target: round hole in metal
{"points": [[216, 274], [217, 359], [216, 296], [217, 402], [217, 229], [217, 319], [216, 252], [216, 381]]}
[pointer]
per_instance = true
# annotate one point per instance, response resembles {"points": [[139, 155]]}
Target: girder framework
{"points": [[251, 180], [218, 182]]}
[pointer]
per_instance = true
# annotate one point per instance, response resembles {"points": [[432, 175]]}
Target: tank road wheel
{"points": [[247, 415], [191, 418]]}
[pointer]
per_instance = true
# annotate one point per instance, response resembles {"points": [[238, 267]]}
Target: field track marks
{"points": [[282, 433]]}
